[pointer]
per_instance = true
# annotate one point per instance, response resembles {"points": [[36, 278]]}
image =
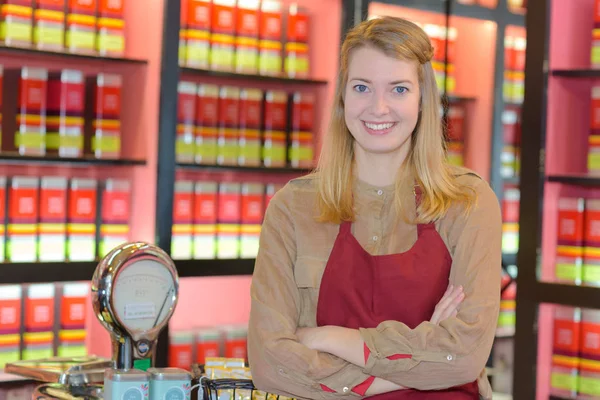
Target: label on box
{"points": [[229, 107], [229, 207], [303, 112], [198, 14], [276, 110], [183, 202], [223, 21], [116, 201], [10, 323], [570, 222], [112, 8], [270, 21]]}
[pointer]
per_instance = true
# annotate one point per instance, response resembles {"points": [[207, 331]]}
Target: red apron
{"points": [[359, 290]]}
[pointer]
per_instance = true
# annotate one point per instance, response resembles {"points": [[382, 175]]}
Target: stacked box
{"points": [[589, 354], [65, 110], [565, 352], [38, 338], [508, 305], [271, 189], [22, 232], [208, 343], [2, 217], [251, 219], [591, 243], [71, 336], [10, 323], [24, 122], [103, 111], [222, 38], [250, 123], [194, 43], [49, 24], [274, 152], [456, 134], [183, 16], [297, 49], [593, 160], [183, 217], [228, 221], [53, 219], [181, 345], [110, 27], [509, 55], [236, 342], [207, 121], [81, 223], [116, 209], [595, 51], [1, 102], [229, 119], [270, 58], [570, 235], [80, 34], [301, 147], [246, 41], [205, 220], [518, 89], [16, 23], [510, 150], [185, 144], [510, 219]]}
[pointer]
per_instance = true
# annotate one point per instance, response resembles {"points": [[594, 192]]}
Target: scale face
{"points": [[134, 293]]}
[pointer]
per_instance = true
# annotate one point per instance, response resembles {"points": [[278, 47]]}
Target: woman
{"points": [[379, 274]]}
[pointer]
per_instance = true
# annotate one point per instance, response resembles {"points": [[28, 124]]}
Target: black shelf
{"points": [[581, 180], [261, 78], [509, 259], [280, 170], [80, 162], [457, 99], [474, 11], [567, 295], [43, 272], [556, 398], [515, 19], [230, 267], [513, 180], [576, 73], [68, 56]]}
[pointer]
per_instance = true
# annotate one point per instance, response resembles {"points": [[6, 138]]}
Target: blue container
{"points": [[131, 384]]}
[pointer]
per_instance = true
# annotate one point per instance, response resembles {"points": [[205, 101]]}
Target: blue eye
{"points": [[400, 89], [361, 88]]}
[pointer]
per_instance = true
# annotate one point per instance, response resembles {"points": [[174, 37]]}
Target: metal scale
{"points": [[134, 294]]}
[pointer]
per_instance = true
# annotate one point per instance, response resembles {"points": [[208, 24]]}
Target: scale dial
{"points": [[143, 295]]}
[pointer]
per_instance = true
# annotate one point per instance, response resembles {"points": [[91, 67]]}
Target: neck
{"points": [[378, 169]]}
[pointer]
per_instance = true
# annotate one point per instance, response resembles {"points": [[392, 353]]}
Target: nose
{"points": [[380, 106]]}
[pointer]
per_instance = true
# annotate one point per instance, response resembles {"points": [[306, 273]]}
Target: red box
{"points": [[38, 338], [49, 24], [103, 111], [116, 211], [81, 224], [110, 28], [53, 218], [81, 34], [23, 212], [185, 147], [207, 120], [229, 120]]}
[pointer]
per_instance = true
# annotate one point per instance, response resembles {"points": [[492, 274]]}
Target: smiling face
{"points": [[381, 102]]}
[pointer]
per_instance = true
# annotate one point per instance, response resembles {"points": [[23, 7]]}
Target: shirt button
{"points": [[449, 358], [380, 192], [375, 238], [281, 372], [346, 390]]}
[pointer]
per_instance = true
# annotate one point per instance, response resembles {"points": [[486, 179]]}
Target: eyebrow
{"points": [[391, 83]]}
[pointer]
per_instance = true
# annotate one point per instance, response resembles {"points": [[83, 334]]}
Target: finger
{"points": [[452, 309], [447, 300]]}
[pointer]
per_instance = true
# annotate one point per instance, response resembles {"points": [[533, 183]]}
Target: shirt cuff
{"points": [[344, 381], [377, 363]]}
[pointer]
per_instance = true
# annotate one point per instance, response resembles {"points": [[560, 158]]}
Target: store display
{"points": [[251, 219], [590, 274], [270, 59], [205, 220], [511, 151], [3, 207], [246, 41], [593, 156], [301, 145], [275, 125], [297, 47], [115, 217], [569, 242], [183, 216], [510, 219], [194, 36], [73, 309], [52, 244], [589, 352], [508, 305], [185, 143], [64, 115], [229, 119], [49, 24], [16, 22], [208, 344], [180, 349], [222, 37], [38, 336], [23, 211], [207, 122], [456, 134], [595, 51], [10, 323], [565, 361], [228, 220], [514, 73], [110, 28], [103, 116], [81, 223], [81, 34], [250, 123]]}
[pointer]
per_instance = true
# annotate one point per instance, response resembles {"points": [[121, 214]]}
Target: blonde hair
{"points": [[427, 161]]}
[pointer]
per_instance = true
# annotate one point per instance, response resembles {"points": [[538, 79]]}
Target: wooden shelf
{"points": [[581, 180], [198, 268], [247, 77], [9, 158], [576, 73], [24, 51], [42, 272], [262, 169], [567, 295]]}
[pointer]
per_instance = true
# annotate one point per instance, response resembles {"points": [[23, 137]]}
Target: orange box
{"points": [[251, 101], [2, 217], [81, 34], [53, 219], [73, 309], [589, 354], [65, 110], [229, 120], [116, 210], [205, 220], [222, 38], [16, 23], [275, 126], [81, 223], [270, 57], [565, 351], [208, 344], [10, 323], [183, 217], [103, 112], [297, 49], [194, 42], [49, 24], [38, 338], [110, 25], [185, 144], [207, 121], [569, 243], [228, 220], [23, 212], [181, 345], [251, 218], [593, 163], [246, 41], [236, 343]]}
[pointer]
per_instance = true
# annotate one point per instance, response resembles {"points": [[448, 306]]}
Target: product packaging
{"points": [[271, 189], [110, 28], [229, 119], [228, 221], [246, 41], [81, 224], [194, 43], [16, 22], [183, 217], [103, 112], [251, 219], [49, 24], [510, 220], [207, 121], [270, 58], [181, 349], [593, 157], [512, 141], [208, 344], [222, 38], [185, 144], [72, 333], [3, 201], [80, 34], [116, 211], [274, 152], [565, 350], [10, 323], [205, 220], [297, 49], [53, 219], [251, 101], [38, 339], [569, 241], [301, 147], [22, 229], [589, 353]]}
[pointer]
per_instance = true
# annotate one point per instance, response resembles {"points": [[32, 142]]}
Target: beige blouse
{"points": [[294, 249]]}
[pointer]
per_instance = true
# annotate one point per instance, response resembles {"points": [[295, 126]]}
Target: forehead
{"points": [[375, 65]]}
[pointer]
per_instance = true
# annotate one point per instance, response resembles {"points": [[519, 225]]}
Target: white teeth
{"points": [[379, 127]]}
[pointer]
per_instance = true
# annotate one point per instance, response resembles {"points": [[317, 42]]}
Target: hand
{"points": [[448, 305]]}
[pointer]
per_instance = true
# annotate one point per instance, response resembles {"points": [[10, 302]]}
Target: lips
{"points": [[378, 128]]}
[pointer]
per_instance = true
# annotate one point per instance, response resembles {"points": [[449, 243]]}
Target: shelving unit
{"points": [[72, 57], [67, 161], [576, 73], [261, 169], [252, 78], [194, 268]]}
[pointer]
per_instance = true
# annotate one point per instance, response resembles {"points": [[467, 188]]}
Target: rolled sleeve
{"points": [[455, 352], [279, 363]]}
